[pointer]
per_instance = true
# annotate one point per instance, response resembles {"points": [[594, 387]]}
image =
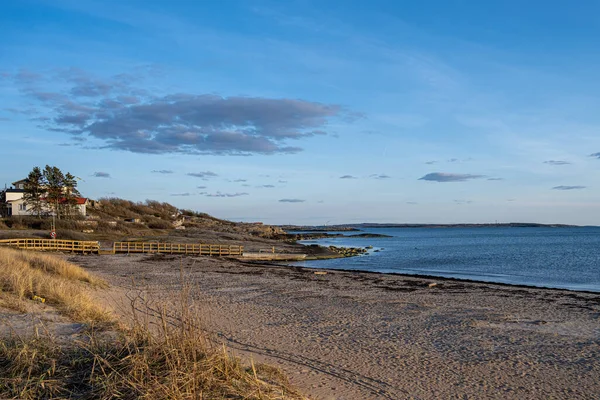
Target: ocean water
{"points": [[567, 258]]}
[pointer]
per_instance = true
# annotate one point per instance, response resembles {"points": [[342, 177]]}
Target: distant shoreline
{"points": [[356, 227]]}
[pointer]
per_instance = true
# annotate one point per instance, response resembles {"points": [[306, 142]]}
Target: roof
{"points": [[78, 200], [20, 181], [15, 190]]}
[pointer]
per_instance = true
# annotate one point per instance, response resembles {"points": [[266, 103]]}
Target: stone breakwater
{"points": [[348, 251]]}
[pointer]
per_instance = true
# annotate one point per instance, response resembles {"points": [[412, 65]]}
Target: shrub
{"points": [[67, 234], [159, 224]]}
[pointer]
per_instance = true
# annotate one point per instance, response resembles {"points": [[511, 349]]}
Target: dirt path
{"points": [[353, 335]]}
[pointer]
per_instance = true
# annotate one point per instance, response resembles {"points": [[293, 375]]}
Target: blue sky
{"points": [[311, 112]]}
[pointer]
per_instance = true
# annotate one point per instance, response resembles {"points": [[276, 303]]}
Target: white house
{"points": [[17, 205]]}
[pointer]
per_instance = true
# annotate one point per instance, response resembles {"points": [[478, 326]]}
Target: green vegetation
{"points": [[51, 192]]}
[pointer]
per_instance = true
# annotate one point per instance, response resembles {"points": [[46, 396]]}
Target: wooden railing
{"points": [[75, 246], [178, 248], [124, 247]]}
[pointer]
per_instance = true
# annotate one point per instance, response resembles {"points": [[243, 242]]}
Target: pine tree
{"points": [[34, 189], [54, 180], [70, 195], [4, 205]]}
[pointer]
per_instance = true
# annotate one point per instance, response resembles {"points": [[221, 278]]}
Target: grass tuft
{"points": [[60, 283]]}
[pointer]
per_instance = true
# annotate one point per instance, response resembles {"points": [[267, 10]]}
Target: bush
{"points": [[67, 234], [159, 224]]}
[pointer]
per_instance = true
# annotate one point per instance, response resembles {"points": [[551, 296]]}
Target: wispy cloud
{"points": [[181, 194], [568, 187], [462, 202], [430, 162], [596, 155], [200, 187], [101, 175], [449, 177], [239, 180], [162, 171], [203, 175], [348, 177], [379, 176], [495, 179], [26, 76], [219, 194], [266, 186], [292, 201], [281, 181], [557, 162]]}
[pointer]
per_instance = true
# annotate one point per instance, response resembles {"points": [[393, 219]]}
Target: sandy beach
{"points": [[358, 335]]}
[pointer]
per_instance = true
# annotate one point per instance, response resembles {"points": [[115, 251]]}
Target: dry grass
{"points": [[171, 364], [57, 281], [156, 354], [177, 361]]}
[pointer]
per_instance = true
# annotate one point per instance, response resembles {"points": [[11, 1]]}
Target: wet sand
{"points": [[359, 335]]}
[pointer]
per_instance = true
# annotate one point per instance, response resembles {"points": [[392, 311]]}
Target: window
{"points": [[22, 207]]}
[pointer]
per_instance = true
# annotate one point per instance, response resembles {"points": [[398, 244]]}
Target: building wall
{"points": [[11, 196], [20, 208]]}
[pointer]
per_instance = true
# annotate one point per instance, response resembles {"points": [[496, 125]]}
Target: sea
{"points": [[566, 258]]}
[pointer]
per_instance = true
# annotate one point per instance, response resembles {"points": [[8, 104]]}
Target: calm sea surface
{"points": [[551, 257]]}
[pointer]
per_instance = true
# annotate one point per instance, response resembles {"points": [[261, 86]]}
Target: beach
{"points": [[359, 335]]}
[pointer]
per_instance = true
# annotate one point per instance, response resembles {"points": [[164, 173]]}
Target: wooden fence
{"points": [[178, 248], [74, 246]]}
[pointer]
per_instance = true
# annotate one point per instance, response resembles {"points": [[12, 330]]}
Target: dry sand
{"points": [[356, 335]]}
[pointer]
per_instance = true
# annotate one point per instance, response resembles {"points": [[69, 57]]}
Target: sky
{"points": [[311, 112]]}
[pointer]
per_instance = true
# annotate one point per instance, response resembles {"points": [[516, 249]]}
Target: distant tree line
{"points": [[50, 191]]}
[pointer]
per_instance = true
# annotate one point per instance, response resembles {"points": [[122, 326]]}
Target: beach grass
{"points": [[50, 279], [161, 353]]}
